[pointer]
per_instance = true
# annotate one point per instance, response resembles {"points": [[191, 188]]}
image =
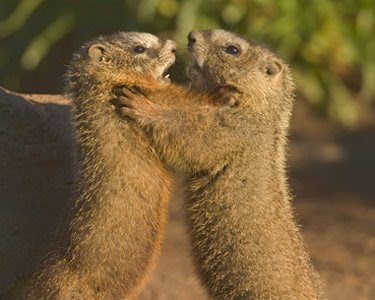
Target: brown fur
{"points": [[118, 223], [245, 239]]}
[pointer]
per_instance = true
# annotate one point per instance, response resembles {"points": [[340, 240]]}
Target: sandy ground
{"points": [[332, 179]]}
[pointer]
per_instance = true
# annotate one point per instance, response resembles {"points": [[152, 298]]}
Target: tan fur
{"points": [[245, 239], [120, 211]]}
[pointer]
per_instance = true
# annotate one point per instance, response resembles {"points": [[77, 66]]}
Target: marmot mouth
{"points": [[165, 76], [166, 73]]}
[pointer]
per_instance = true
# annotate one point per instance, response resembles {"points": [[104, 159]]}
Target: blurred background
{"points": [[330, 45]]}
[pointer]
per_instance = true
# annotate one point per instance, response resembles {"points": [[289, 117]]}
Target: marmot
{"points": [[123, 188], [245, 240]]}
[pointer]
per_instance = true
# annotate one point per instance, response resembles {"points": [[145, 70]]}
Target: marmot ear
{"points": [[96, 52], [273, 67]]}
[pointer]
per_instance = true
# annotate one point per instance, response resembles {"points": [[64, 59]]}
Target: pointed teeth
{"points": [[167, 75]]}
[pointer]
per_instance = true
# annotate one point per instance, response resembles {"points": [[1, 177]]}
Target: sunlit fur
{"points": [[120, 209], [246, 242]]}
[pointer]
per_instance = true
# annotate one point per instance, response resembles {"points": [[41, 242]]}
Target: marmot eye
{"points": [[139, 49], [232, 50]]}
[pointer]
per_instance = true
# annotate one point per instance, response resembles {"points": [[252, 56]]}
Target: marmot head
{"points": [[126, 52], [221, 58]]}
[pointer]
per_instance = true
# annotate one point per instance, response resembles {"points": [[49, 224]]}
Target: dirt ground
{"points": [[331, 174]]}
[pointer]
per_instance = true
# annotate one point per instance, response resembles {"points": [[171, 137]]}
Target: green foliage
{"points": [[330, 44]]}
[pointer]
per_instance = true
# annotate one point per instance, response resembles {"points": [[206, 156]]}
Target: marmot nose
{"points": [[192, 38], [171, 45]]}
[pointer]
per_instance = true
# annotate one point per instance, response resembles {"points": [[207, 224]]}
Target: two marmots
{"points": [[245, 240]]}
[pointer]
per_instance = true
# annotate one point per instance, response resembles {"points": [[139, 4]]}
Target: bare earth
{"points": [[332, 177]]}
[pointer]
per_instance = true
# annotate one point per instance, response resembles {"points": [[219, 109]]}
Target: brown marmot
{"points": [[245, 239], [123, 188]]}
